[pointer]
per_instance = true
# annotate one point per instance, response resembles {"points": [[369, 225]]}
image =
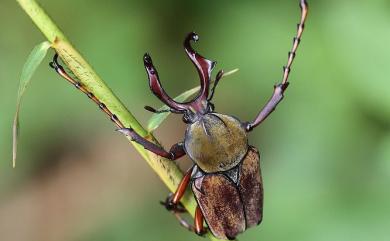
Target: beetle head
{"points": [[200, 104]]}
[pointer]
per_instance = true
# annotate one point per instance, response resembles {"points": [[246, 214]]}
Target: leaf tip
{"points": [[231, 72], [14, 160]]}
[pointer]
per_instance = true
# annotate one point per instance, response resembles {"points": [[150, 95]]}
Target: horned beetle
{"points": [[225, 177]]}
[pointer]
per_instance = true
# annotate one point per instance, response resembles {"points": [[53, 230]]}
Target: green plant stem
{"points": [[167, 170]]}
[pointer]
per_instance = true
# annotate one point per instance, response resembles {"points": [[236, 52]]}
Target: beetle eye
{"points": [[186, 119]]}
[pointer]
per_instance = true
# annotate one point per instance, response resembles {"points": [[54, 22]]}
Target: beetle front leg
{"points": [[61, 71], [276, 97], [280, 88], [174, 153]]}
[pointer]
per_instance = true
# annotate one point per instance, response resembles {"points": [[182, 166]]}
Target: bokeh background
{"points": [[325, 151]]}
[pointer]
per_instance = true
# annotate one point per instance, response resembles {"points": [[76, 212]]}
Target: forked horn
{"points": [[157, 89], [203, 65]]}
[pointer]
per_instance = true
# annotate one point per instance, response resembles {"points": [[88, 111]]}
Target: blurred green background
{"points": [[325, 151]]}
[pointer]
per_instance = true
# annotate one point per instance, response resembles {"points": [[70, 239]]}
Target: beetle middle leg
{"points": [[172, 204]]}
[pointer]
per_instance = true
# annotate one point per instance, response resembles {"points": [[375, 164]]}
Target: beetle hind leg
{"points": [[198, 221], [172, 204], [198, 227]]}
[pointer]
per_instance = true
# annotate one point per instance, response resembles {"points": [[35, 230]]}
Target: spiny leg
{"points": [[61, 71], [279, 89], [176, 150]]}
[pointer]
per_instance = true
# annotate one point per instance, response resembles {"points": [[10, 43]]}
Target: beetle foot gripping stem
{"points": [[200, 230], [61, 71], [171, 206], [177, 209], [202, 233]]}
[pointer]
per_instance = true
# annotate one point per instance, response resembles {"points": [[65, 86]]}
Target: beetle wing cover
{"points": [[221, 206], [230, 208], [251, 188]]}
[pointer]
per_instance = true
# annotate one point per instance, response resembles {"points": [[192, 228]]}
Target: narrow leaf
{"points": [[233, 71], [34, 59], [157, 118]]}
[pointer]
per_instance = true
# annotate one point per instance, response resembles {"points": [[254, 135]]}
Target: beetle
{"points": [[226, 177]]}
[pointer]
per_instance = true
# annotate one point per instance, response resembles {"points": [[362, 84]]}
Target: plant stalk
{"points": [[167, 170]]}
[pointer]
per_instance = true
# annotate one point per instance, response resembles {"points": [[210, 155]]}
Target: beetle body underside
{"points": [[231, 201]]}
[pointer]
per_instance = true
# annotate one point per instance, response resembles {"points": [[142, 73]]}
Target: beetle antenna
{"points": [[61, 71], [153, 110], [217, 79]]}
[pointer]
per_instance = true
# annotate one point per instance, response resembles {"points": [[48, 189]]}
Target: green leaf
{"points": [[157, 118], [34, 59]]}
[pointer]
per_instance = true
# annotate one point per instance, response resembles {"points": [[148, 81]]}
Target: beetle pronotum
{"points": [[225, 177]]}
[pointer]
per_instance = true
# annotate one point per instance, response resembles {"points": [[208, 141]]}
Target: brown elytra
{"points": [[231, 206]]}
